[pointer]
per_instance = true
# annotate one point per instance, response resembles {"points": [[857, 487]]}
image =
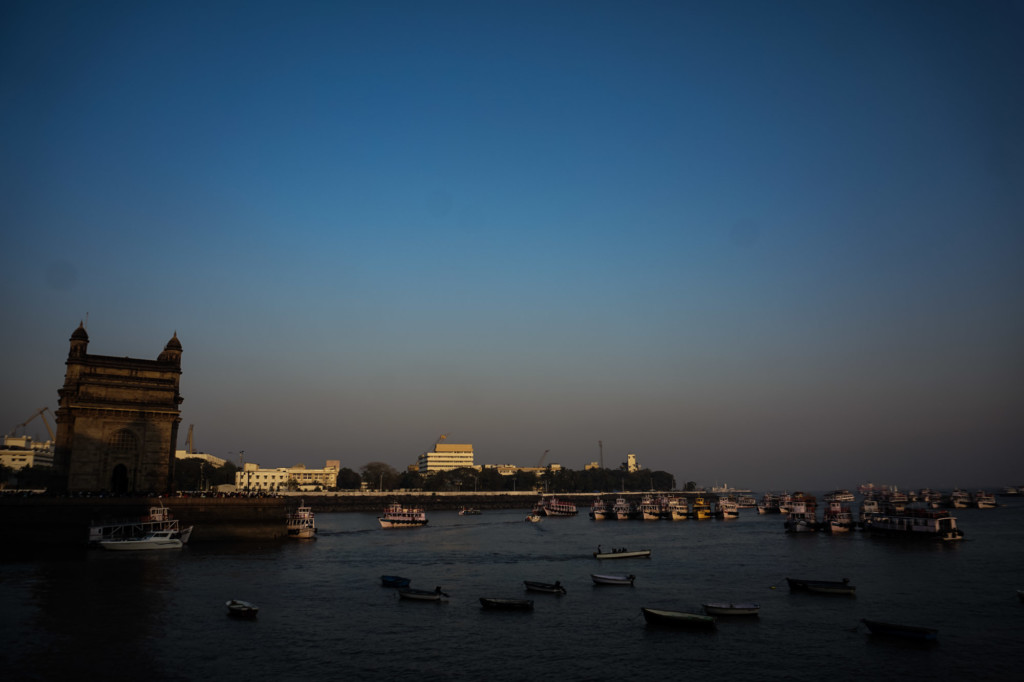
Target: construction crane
{"points": [[38, 413], [540, 462]]}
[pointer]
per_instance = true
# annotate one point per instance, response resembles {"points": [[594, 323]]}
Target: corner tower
{"points": [[117, 420]]}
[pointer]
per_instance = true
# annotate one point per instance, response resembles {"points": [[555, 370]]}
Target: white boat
{"points": [[650, 509], [678, 509], [242, 609], [422, 595], [606, 579], [397, 516], [916, 524], [984, 500], [719, 608], [556, 507], [533, 518], [161, 539], [599, 510], [469, 511], [621, 553], [837, 518], [301, 523], [624, 509], [677, 618], [802, 517], [839, 496], [727, 508], [158, 519]]}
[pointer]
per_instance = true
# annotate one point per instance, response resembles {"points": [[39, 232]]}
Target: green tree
{"points": [[347, 480], [379, 475], [690, 486]]}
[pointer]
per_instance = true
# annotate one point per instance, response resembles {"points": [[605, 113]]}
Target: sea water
{"points": [[324, 614]]}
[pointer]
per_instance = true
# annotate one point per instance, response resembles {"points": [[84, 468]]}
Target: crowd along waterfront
{"points": [[323, 611]]}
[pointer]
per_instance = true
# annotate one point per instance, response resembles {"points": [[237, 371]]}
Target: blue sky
{"points": [[773, 244]]}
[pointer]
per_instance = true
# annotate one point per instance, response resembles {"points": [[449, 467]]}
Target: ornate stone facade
{"points": [[117, 421]]}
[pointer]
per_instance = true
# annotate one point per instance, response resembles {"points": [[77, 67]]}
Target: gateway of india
{"points": [[117, 421]]}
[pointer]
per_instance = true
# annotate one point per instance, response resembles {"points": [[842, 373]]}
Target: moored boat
{"points": [[822, 586], [397, 516], [161, 539], [600, 510], [555, 507], [700, 509], [677, 618], [905, 631], [621, 553], [242, 609], [394, 581], [499, 604], [719, 608], [469, 511], [421, 595], [551, 588], [606, 579], [300, 523], [158, 519], [916, 524]]}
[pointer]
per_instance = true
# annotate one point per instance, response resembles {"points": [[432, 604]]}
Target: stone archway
{"points": [[119, 480]]}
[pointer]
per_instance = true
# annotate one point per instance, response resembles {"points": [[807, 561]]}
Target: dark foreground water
{"points": [[161, 616]]}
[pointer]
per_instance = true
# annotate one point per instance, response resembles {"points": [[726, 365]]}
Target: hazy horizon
{"points": [[768, 244]]}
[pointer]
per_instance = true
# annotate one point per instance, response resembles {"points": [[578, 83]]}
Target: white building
{"points": [[253, 478], [632, 465], [445, 457], [19, 452], [210, 459]]}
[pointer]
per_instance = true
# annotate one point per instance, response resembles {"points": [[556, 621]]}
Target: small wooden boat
{"points": [[242, 609], [822, 586], [552, 588], [906, 631], [469, 511], [506, 604], [421, 595], [677, 618], [605, 579], [533, 518], [718, 608], [394, 581], [621, 553]]}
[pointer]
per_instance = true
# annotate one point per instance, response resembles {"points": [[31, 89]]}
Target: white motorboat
{"points": [[719, 608], [301, 523], [621, 553], [158, 519], [161, 539], [242, 609], [606, 579], [397, 516]]}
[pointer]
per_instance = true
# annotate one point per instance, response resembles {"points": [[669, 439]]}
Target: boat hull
{"points": [[603, 579], [623, 555], [730, 609], [506, 604], [242, 609], [836, 587], [903, 631], [550, 588], [677, 619]]}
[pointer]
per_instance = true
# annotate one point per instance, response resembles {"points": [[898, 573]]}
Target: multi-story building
{"points": [[445, 457], [252, 478], [632, 465], [19, 452]]}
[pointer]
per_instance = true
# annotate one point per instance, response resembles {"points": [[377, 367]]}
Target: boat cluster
{"points": [[670, 507]]}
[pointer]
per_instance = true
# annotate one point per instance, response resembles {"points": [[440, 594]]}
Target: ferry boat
{"points": [[959, 499], [769, 504], [650, 509], [397, 516], [301, 524], [700, 509], [727, 508], [916, 524], [556, 507], [746, 501], [158, 520], [839, 496], [984, 500], [802, 516], [159, 539], [624, 509], [837, 518], [599, 510], [677, 509]]}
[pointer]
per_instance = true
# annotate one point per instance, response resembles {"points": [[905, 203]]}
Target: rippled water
{"points": [[323, 614]]}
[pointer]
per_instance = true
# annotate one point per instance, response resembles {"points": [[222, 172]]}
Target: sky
{"points": [[765, 244]]}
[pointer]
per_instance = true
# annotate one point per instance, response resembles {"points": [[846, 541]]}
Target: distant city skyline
{"points": [[777, 245]]}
